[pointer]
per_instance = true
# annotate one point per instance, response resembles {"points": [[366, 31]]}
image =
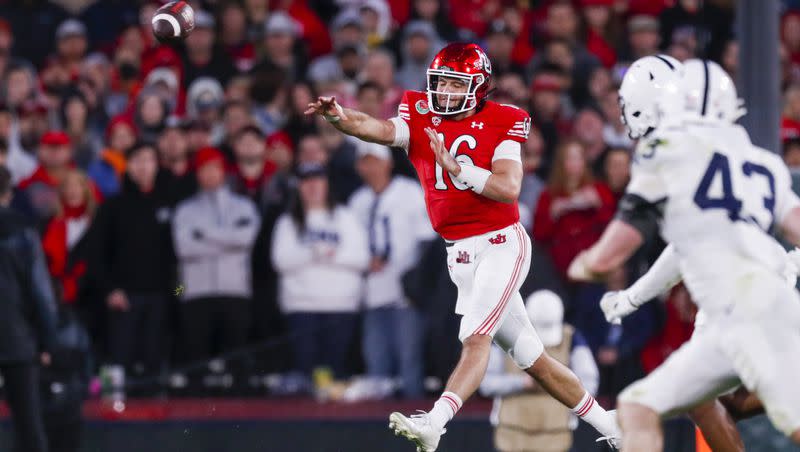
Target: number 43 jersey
{"points": [[721, 198], [494, 132]]}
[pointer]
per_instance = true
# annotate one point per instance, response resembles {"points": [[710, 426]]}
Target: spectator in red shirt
{"points": [[39, 192], [573, 209], [790, 123], [64, 240], [251, 169]]}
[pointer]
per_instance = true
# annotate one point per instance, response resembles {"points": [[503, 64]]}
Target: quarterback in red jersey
{"points": [[466, 151]]}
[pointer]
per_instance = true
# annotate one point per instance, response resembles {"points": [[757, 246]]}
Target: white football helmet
{"points": [[646, 83], [710, 92]]}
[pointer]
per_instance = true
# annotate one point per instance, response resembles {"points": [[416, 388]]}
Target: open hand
{"points": [[326, 106], [443, 156]]}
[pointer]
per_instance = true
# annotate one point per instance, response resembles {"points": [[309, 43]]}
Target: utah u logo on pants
{"points": [[463, 258]]}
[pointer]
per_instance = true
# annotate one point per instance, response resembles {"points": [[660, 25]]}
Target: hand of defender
{"points": [[616, 305], [326, 106], [443, 156]]}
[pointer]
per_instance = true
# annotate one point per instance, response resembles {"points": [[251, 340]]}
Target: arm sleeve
{"points": [[401, 123], [241, 233], [353, 250], [660, 278], [581, 361], [508, 149], [288, 253], [518, 126], [187, 245], [497, 382], [41, 291], [642, 206]]}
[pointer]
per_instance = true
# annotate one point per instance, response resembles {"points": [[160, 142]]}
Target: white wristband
{"points": [[475, 178]]}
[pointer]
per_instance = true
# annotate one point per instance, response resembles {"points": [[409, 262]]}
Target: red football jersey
{"points": [[456, 212]]}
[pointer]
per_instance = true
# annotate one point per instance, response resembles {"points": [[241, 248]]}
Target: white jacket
{"points": [[321, 269], [214, 234], [397, 222]]}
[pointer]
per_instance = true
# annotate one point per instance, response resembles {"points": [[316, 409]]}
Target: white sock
{"points": [[444, 409], [590, 411]]}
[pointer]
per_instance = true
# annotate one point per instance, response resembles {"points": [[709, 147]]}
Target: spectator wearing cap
{"points": [[643, 37], [203, 57], [377, 20], [392, 210], [174, 158], [107, 170], [214, 232], [379, 68], [524, 416], [204, 102], [133, 264], [602, 30], [320, 251], [279, 46], [348, 33], [165, 82], [233, 36], [418, 47], [71, 45], [39, 192]]}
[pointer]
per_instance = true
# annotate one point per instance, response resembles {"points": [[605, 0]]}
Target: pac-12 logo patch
{"points": [[436, 120], [422, 107]]}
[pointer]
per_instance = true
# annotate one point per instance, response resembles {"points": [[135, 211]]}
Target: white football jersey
{"points": [[721, 197]]}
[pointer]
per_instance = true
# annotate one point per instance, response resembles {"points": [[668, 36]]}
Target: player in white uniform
{"points": [[717, 196]]}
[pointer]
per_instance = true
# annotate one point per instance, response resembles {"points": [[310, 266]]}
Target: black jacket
{"points": [[131, 241], [27, 304]]}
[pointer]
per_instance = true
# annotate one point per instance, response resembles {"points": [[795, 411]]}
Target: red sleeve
{"points": [[543, 225], [608, 204], [517, 124], [403, 111], [54, 247]]}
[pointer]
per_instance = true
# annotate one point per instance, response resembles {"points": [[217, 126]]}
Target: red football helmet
{"points": [[462, 61]]}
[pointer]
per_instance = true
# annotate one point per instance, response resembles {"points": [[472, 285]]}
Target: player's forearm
{"points": [[618, 242], [502, 188], [365, 127], [661, 277], [790, 226]]}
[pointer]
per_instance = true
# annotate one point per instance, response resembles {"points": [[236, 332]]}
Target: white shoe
{"points": [[417, 429]]}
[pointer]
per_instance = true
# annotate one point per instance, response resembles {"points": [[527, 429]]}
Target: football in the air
{"points": [[173, 21]]}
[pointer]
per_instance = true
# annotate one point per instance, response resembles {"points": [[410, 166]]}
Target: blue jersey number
{"points": [[720, 165]]}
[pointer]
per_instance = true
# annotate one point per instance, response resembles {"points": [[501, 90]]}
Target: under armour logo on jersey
{"points": [[477, 125], [463, 258], [498, 239]]}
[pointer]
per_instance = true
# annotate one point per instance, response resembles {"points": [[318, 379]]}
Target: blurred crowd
{"points": [[189, 209]]}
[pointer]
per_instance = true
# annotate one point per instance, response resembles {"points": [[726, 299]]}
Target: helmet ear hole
{"points": [[636, 114]]}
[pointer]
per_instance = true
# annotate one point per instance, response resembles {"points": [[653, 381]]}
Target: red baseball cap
{"points": [[55, 138], [208, 155]]}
